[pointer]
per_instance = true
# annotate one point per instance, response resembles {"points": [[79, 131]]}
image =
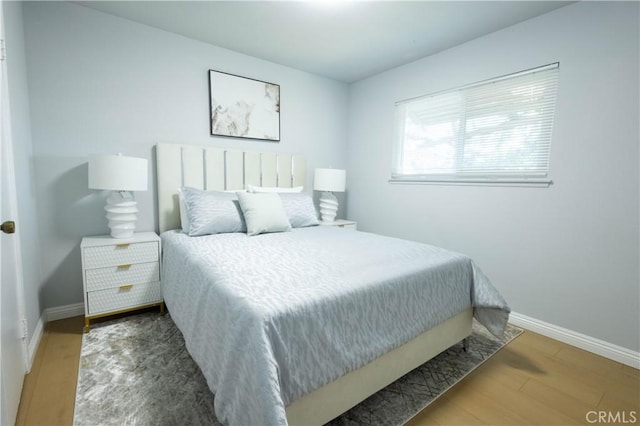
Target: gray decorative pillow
{"points": [[263, 213], [299, 209], [212, 212]]}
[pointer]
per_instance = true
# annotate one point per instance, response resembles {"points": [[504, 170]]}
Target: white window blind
{"points": [[493, 131]]}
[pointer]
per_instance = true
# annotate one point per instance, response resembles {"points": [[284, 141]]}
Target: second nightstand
{"points": [[346, 224], [120, 275]]}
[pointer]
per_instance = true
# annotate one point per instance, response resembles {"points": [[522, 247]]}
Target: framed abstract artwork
{"points": [[242, 107]]}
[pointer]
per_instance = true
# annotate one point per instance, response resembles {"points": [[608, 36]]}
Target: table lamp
{"points": [[329, 181], [119, 174]]}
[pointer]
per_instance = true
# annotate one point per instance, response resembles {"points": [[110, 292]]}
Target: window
{"points": [[496, 131]]}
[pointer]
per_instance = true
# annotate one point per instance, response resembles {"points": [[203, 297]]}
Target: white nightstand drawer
{"points": [[120, 254], [115, 276], [124, 297]]}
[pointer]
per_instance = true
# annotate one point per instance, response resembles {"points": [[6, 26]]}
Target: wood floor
{"points": [[533, 380]]}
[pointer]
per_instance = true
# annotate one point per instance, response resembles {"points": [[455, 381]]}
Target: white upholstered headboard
{"points": [[218, 169]]}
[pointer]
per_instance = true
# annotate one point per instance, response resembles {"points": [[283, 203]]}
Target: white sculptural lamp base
{"points": [[328, 207], [122, 214]]}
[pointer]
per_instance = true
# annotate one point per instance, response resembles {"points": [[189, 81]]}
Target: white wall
{"points": [[27, 223], [101, 84], [567, 255]]}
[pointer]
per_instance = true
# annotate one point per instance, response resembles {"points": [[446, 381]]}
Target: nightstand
{"points": [[346, 224], [120, 274]]}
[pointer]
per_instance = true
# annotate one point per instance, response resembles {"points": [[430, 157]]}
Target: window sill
{"points": [[517, 182]]}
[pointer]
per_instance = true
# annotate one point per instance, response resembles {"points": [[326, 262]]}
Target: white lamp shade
{"points": [[117, 173], [332, 180]]}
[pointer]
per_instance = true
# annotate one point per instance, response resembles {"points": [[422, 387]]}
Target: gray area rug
{"points": [[136, 371]]}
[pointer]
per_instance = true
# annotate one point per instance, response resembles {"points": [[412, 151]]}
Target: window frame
{"points": [[508, 178]]}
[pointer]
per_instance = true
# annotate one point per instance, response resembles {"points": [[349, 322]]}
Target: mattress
{"points": [[270, 318]]}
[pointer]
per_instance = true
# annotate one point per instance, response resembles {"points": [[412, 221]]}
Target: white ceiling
{"points": [[342, 40]]}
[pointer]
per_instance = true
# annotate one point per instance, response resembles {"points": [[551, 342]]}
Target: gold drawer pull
{"points": [[125, 266], [126, 287], [123, 245]]}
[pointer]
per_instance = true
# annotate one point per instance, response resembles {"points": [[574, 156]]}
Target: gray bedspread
{"points": [[270, 318]]}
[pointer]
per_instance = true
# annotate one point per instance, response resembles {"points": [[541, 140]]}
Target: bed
{"points": [[298, 327]]}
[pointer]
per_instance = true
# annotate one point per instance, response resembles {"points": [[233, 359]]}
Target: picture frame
{"points": [[242, 107]]}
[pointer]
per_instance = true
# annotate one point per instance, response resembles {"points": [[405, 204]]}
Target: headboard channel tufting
{"points": [[218, 169]]}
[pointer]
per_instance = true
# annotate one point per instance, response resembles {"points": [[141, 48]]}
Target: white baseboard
{"points": [[50, 314], [579, 340], [34, 342], [66, 311]]}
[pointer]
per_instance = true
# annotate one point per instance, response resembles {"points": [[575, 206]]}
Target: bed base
{"points": [[337, 397]]}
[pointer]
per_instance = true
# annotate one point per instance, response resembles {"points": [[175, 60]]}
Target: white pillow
{"points": [[263, 213], [253, 188]]}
